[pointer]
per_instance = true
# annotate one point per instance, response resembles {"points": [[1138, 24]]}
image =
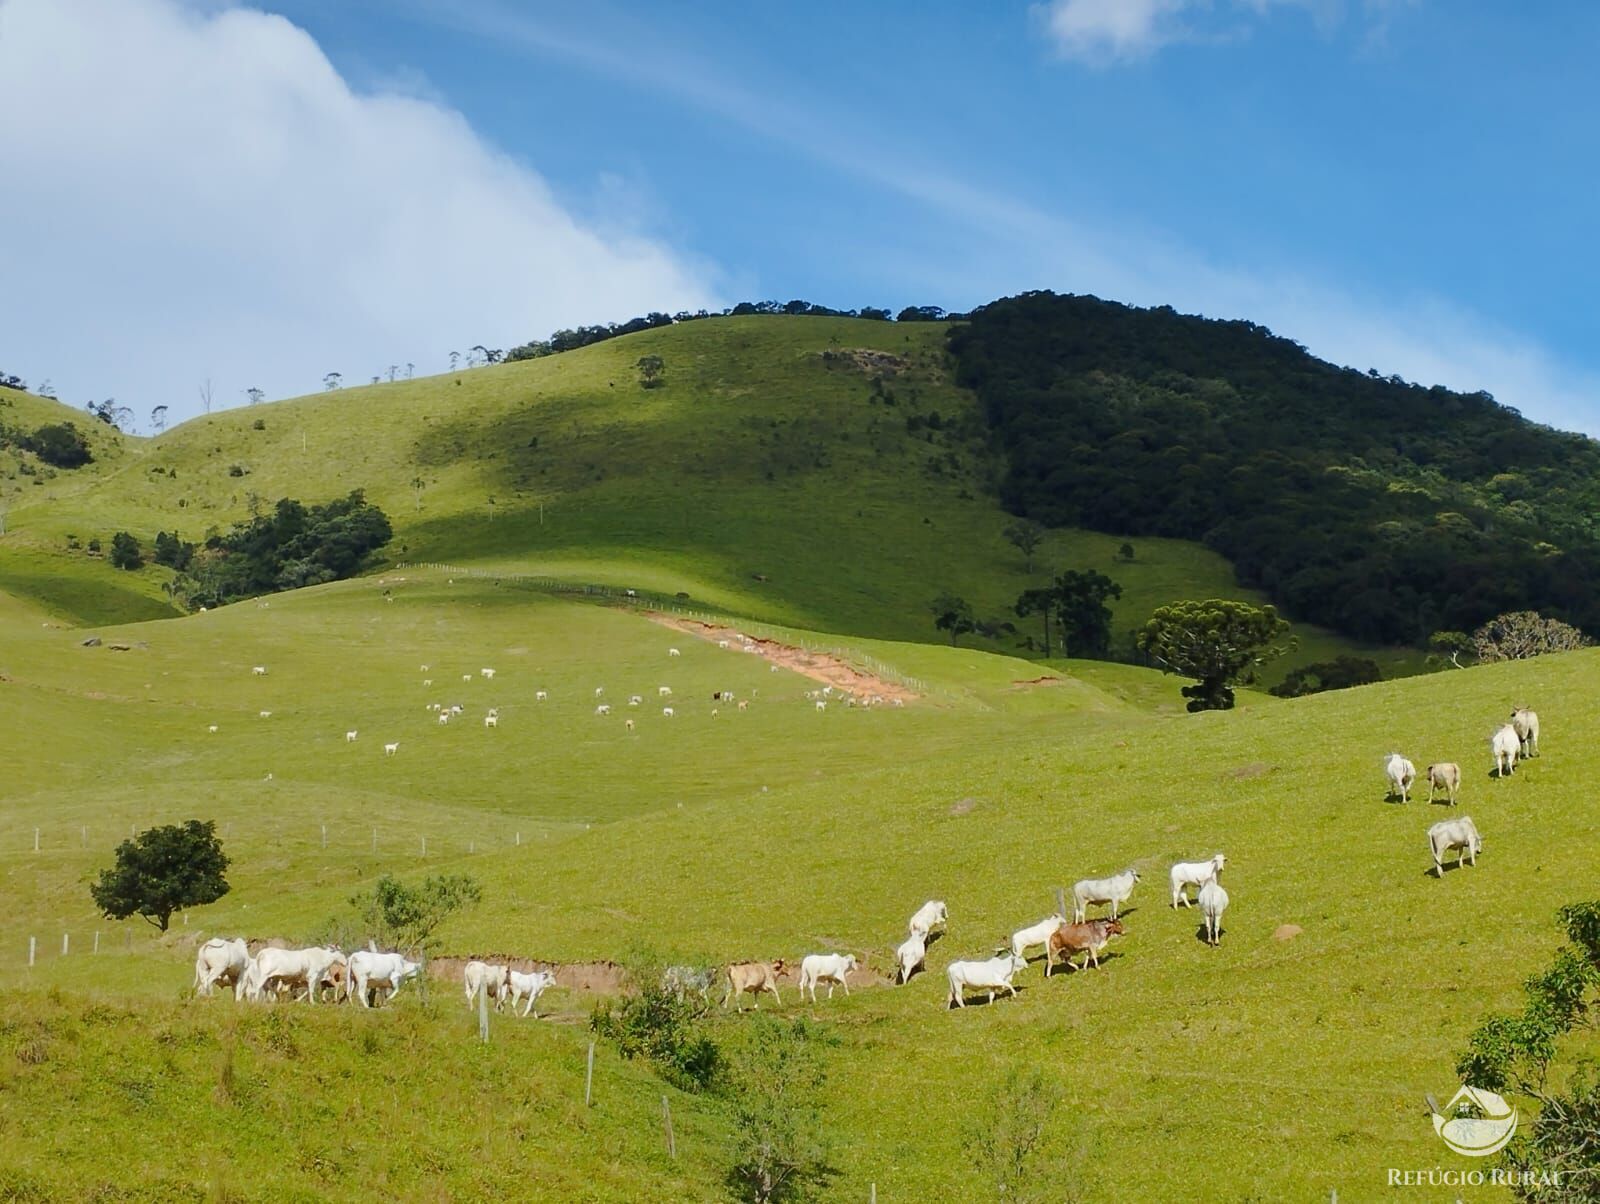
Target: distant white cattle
{"points": [[389, 750], [369, 970], [487, 673], [603, 709], [993, 976], [491, 721], [1114, 890], [484, 976], [1213, 902], [1527, 724], [663, 691], [1458, 834], [673, 652], [825, 967], [531, 985], [911, 954], [1504, 746], [219, 961], [540, 695], [259, 670], [1400, 773], [350, 736], [1024, 939], [925, 917], [1185, 874]]}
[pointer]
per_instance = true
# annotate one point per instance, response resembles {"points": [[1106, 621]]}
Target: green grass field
{"points": [[1263, 1069], [763, 478]]}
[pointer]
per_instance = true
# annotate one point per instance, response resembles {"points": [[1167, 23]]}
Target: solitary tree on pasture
{"points": [[161, 870], [1215, 642]]}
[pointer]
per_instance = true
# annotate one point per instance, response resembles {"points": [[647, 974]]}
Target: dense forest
{"points": [[1380, 508]]}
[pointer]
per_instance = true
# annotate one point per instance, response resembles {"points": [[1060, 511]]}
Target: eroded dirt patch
{"points": [[819, 666], [1255, 769], [1049, 679], [604, 977]]}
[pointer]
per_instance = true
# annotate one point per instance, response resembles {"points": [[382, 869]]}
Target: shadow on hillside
{"points": [[1200, 934], [1107, 956]]}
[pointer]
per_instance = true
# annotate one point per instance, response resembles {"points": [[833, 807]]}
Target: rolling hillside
{"points": [[815, 471], [1278, 1069]]}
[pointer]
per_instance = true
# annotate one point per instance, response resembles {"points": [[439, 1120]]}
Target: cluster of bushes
{"points": [[294, 546], [1338, 674], [1379, 508], [59, 444]]}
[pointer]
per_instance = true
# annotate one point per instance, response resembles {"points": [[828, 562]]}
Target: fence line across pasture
{"points": [[675, 605]]}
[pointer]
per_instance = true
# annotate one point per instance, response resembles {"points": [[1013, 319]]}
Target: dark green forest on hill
{"points": [[1380, 508]]}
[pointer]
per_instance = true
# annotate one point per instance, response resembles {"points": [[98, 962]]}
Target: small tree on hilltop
{"points": [[1026, 535], [1040, 601], [1215, 642], [1450, 646], [651, 368], [162, 870], [954, 615], [1522, 634]]}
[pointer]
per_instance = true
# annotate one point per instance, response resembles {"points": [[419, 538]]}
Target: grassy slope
{"points": [[1296, 1065], [755, 459]]}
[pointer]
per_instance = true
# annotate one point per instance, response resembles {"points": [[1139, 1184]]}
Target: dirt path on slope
{"points": [[819, 666]]}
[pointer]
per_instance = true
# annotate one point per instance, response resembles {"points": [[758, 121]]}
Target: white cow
{"points": [[491, 721], [603, 709], [993, 976], [389, 750], [487, 673], [1194, 873], [825, 967], [444, 717], [369, 970], [350, 736], [1213, 902], [1458, 834], [1024, 939], [219, 961], [930, 913], [1400, 773], [540, 695], [532, 985], [264, 714], [911, 954], [1527, 724], [673, 652], [668, 712], [599, 691], [481, 975], [259, 670], [663, 691], [290, 966], [1504, 745], [1114, 890], [212, 729], [635, 700]]}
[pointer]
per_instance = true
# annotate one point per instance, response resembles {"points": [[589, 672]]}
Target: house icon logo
{"points": [[1475, 1122]]}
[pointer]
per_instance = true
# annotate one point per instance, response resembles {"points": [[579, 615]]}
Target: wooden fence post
{"points": [[666, 1115], [33, 943], [97, 940], [1061, 901], [65, 938], [588, 1077]]}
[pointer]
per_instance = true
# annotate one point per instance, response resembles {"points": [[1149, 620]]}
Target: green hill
{"points": [[778, 830], [823, 472]]}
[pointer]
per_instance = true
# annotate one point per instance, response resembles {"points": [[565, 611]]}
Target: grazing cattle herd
{"points": [[318, 973]]}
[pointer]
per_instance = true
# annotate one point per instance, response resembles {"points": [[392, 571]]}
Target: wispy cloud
{"points": [[1106, 32], [193, 191]]}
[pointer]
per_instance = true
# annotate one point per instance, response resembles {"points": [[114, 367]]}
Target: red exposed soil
{"points": [[819, 666]]}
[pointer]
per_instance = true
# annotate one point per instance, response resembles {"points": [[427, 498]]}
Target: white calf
{"points": [[1024, 939], [825, 967], [532, 985], [1213, 902], [911, 954], [1114, 890], [1194, 873], [483, 976]]}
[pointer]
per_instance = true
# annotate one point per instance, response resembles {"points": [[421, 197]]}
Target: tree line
{"points": [[1382, 509]]}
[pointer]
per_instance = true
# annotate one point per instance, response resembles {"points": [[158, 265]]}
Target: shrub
{"points": [[1338, 674], [126, 552], [60, 444], [652, 1023]]}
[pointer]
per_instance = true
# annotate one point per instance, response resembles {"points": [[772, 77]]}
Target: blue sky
{"points": [[1400, 185]]}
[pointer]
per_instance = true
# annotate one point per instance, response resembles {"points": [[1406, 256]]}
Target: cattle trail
{"points": [[819, 666]]}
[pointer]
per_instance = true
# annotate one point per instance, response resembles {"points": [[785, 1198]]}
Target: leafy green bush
{"points": [[653, 1023], [1338, 674], [60, 444]]}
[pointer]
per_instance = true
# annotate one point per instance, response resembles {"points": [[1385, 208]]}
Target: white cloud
{"points": [[194, 191], [1112, 29]]}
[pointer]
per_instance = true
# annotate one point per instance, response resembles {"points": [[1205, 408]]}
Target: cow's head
{"points": [[779, 966], [1113, 927]]}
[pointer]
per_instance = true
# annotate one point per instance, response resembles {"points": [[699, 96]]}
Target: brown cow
{"points": [[1089, 937], [754, 977]]}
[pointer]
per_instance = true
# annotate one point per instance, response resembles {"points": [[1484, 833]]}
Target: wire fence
{"points": [[678, 605]]}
